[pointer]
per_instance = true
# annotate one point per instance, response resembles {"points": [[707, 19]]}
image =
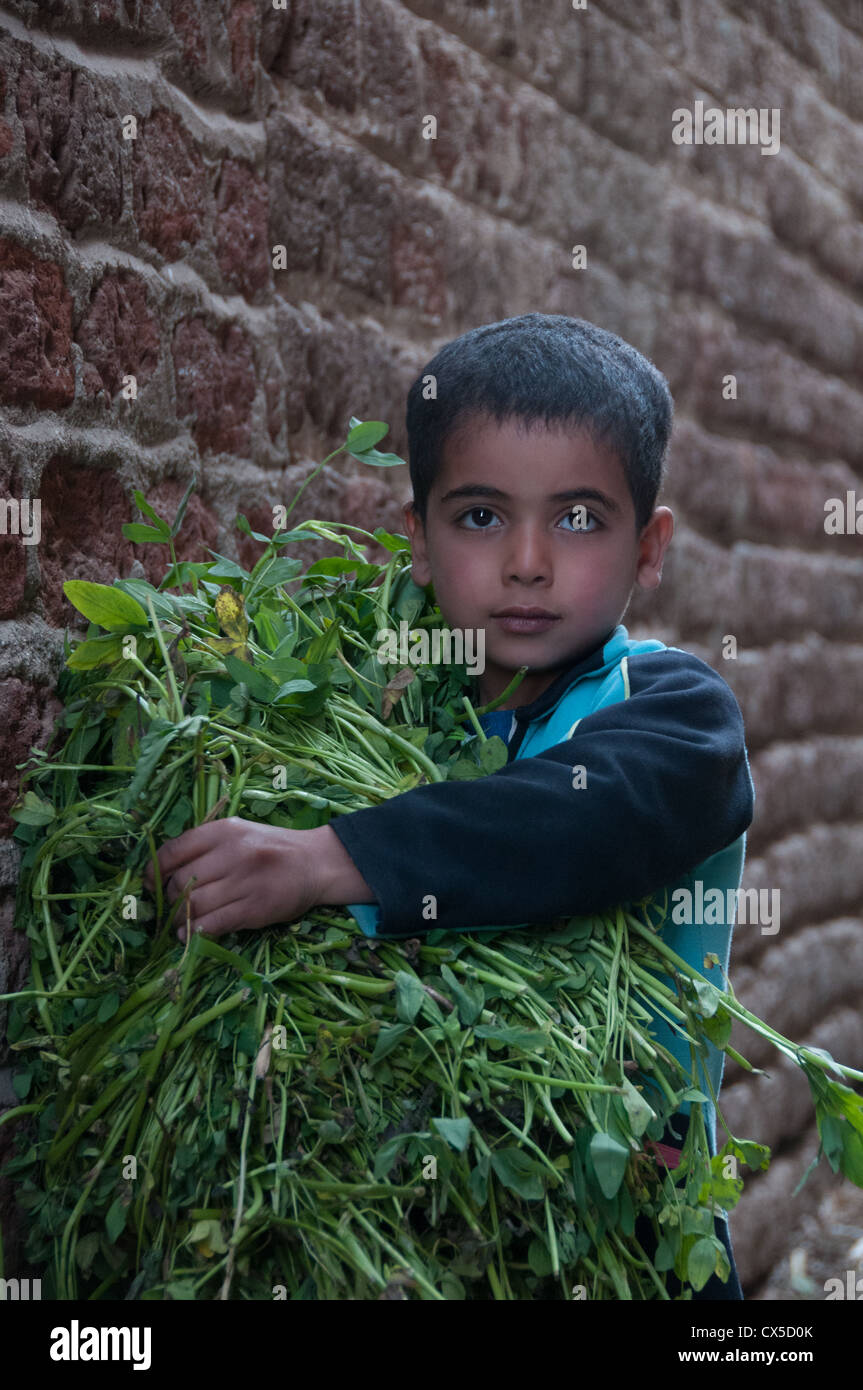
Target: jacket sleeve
{"points": [[667, 784]]}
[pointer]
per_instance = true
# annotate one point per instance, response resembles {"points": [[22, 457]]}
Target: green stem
{"points": [[481, 734]]}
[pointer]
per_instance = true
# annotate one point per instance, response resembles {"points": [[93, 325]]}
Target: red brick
{"points": [[275, 35], [139, 21], [332, 209], [7, 139], [418, 277], [242, 30], [215, 383], [242, 230], [186, 21], [83, 512], [370, 502], [27, 716], [119, 334], [319, 51], [170, 184], [189, 28], [293, 336], [73, 140], [13, 552], [35, 331], [351, 371]]}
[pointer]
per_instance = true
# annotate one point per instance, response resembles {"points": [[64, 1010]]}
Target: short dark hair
{"points": [[550, 367]]}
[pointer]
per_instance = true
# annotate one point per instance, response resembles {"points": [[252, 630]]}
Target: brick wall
{"points": [[303, 127]]}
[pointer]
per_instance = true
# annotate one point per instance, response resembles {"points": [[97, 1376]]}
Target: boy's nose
{"points": [[530, 555]]}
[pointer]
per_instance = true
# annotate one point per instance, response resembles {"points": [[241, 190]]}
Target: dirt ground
{"points": [[823, 1246]]}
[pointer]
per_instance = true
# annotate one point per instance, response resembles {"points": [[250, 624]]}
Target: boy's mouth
{"points": [[525, 619]]}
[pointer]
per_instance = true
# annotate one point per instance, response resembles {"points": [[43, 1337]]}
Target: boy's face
{"points": [[505, 542]]}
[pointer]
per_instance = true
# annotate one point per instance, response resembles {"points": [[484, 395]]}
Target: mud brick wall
{"points": [[302, 127]]}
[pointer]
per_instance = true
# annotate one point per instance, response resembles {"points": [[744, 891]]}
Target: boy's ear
{"points": [[653, 544], [420, 568]]}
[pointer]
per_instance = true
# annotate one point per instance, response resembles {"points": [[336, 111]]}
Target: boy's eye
{"points": [[579, 516], [473, 512]]}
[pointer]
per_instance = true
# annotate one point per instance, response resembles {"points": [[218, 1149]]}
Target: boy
{"points": [[627, 770]]}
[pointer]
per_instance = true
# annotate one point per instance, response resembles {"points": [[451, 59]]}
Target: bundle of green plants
{"points": [[304, 1112]]}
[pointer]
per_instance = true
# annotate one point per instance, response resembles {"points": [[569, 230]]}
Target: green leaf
{"points": [[225, 568], [293, 688], [101, 603], [178, 818], [519, 1173], [377, 459], [470, 999], [702, 1262], [21, 1083], [280, 571], [153, 745], [115, 1221], [146, 510], [609, 1162], [330, 565], [511, 1035], [478, 1181], [181, 510], [455, 1132], [387, 1039], [108, 1007], [709, 997], [321, 648], [86, 1249], [282, 537], [409, 996], [695, 1221], [390, 541], [464, 769], [145, 535], [724, 1190], [639, 1112], [663, 1258], [163, 604], [748, 1152], [259, 686], [388, 1153], [242, 524], [32, 810], [579, 1186], [96, 651], [492, 754], [365, 435], [539, 1258], [831, 1138], [851, 1158], [718, 1028]]}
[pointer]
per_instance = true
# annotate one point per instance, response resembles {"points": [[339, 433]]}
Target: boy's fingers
{"points": [[207, 870], [202, 901], [227, 918], [175, 853]]}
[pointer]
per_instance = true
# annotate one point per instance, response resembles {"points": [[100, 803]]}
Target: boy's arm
{"points": [[667, 784]]}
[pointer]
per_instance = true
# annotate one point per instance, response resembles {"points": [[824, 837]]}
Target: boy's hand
{"points": [[247, 875]]}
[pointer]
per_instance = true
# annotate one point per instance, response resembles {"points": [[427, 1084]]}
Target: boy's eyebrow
{"points": [[575, 494]]}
